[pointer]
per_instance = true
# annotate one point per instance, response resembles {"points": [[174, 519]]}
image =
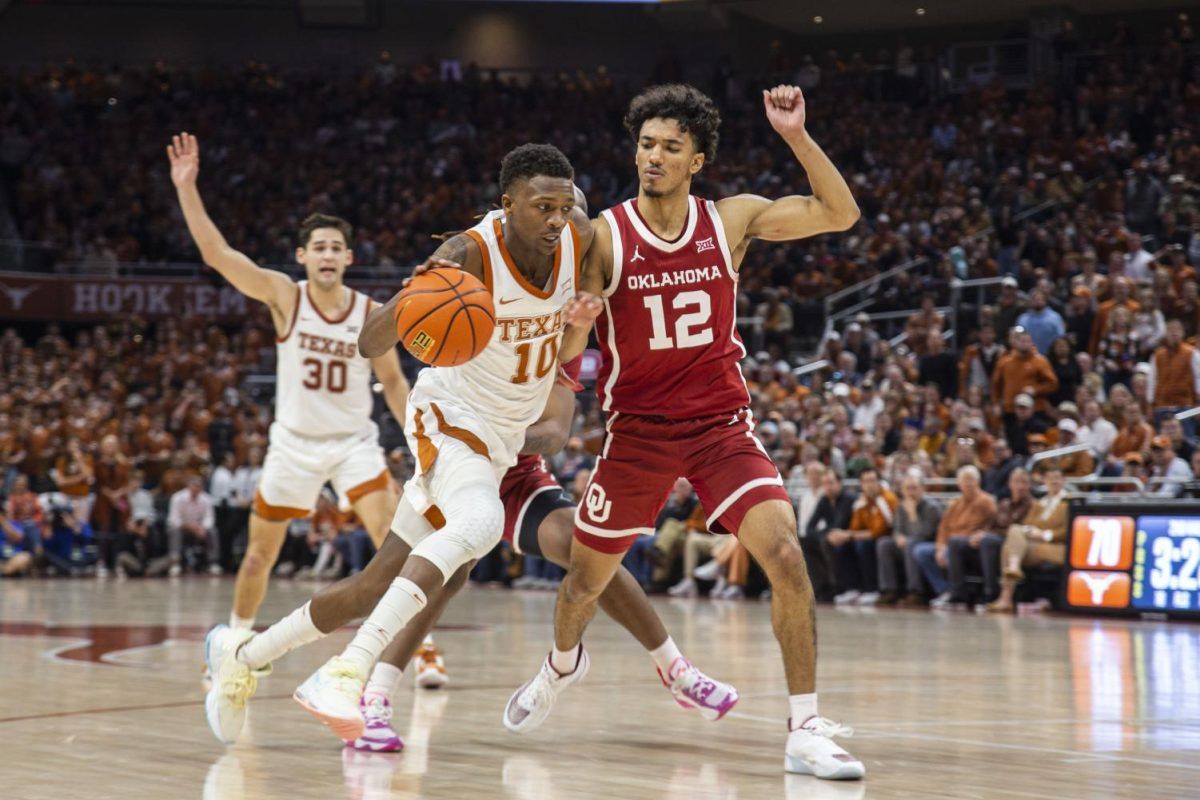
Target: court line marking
{"points": [[120, 709], [1076, 754]]}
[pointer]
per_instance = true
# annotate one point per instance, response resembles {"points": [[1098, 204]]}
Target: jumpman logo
{"points": [[1098, 586], [636, 255]]}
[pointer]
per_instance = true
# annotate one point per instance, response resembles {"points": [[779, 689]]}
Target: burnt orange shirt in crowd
{"points": [[962, 518], [1132, 439], [877, 516], [1015, 371]]}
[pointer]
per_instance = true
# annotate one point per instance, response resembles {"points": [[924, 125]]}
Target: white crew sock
{"points": [[294, 630], [237, 622], [564, 662], [384, 678], [402, 601], [803, 706], [664, 656]]}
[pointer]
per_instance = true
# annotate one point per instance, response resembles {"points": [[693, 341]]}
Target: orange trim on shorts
{"points": [[461, 434], [522, 281], [434, 516], [277, 513], [487, 259], [292, 324], [376, 484], [426, 450]]}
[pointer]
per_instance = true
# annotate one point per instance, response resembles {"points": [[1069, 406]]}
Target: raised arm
{"points": [[379, 332], [831, 206], [275, 289]]}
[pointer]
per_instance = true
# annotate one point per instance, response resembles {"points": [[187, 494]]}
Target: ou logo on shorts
{"points": [[598, 506]]}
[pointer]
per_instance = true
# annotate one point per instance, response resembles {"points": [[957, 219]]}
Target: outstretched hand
{"points": [[785, 109], [582, 309], [184, 153], [433, 262]]}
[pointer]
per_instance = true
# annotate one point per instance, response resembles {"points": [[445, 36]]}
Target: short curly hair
{"points": [[530, 160], [687, 105]]}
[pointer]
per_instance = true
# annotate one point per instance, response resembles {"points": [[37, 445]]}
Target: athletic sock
{"points": [[564, 662], [294, 630], [803, 706], [402, 601], [237, 622], [664, 656], [384, 679]]}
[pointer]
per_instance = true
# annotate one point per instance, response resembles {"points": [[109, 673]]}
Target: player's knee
{"points": [[582, 588], [472, 529], [255, 563]]}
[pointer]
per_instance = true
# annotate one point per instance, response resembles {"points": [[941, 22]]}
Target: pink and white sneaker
{"points": [[378, 736], [691, 688]]}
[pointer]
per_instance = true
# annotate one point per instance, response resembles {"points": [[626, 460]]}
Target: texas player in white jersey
{"points": [[323, 429], [466, 426]]}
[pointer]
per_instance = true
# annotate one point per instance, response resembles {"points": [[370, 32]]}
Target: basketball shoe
{"points": [[332, 695], [531, 704], [812, 751], [378, 736], [232, 682], [429, 667], [691, 688]]}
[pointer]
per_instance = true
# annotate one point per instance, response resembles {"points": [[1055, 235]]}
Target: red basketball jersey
{"points": [[668, 331]]}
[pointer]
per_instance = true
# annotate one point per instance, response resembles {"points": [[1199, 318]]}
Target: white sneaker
{"points": [[524, 582], [429, 667], [946, 602], [531, 704], [708, 571], [812, 751], [175, 571], [233, 683], [868, 598], [331, 694], [847, 598], [731, 592], [685, 588], [101, 570], [215, 570]]}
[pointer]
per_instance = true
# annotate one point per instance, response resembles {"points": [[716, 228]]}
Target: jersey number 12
{"points": [[688, 332]]}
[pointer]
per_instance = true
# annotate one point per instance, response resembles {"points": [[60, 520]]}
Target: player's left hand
{"points": [[582, 309], [785, 109]]}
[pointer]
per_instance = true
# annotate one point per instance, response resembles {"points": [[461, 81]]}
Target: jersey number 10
{"points": [[686, 333], [547, 359]]}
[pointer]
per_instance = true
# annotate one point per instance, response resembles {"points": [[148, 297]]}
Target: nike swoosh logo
{"points": [[505, 302]]}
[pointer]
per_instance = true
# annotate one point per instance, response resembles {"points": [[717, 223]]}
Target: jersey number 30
{"points": [[688, 331]]}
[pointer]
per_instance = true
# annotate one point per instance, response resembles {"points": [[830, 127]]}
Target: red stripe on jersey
{"points": [[668, 333]]}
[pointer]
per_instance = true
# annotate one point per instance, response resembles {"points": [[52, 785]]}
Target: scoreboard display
{"points": [[1133, 558]]}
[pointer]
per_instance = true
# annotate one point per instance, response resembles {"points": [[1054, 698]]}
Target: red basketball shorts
{"points": [[643, 457], [529, 494]]}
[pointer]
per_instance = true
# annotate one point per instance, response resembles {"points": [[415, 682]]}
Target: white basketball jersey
{"points": [[509, 382], [323, 386]]}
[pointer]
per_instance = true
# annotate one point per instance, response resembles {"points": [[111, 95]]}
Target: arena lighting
{"points": [[920, 12], [818, 19]]}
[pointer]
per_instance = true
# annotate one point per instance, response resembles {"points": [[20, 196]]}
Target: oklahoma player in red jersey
{"points": [[665, 265]]}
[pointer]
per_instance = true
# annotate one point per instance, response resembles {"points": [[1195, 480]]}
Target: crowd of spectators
{"points": [[1077, 194]]}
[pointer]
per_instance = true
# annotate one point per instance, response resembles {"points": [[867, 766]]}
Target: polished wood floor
{"points": [[100, 698]]}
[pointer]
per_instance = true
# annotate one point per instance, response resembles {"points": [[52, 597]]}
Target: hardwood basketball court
{"points": [[102, 699]]}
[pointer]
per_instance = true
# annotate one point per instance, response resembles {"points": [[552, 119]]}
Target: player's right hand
{"points": [[433, 262], [184, 153]]}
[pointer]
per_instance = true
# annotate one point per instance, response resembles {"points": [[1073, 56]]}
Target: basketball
{"points": [[445, 317]]}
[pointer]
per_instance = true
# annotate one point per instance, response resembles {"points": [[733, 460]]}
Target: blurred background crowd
{"points": [[1023, 282]]}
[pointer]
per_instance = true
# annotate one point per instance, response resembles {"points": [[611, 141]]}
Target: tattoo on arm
{"points": [[454, 249]]}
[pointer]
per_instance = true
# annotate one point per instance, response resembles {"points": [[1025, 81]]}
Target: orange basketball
{"points": [[445, 317]]}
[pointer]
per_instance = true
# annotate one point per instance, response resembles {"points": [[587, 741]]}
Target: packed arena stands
{"points": [[1023, 280]]}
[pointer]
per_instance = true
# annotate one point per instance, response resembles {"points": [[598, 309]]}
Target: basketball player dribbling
{"points": [[666, 266], [465, 424], [323, 429], [539, 520]]}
